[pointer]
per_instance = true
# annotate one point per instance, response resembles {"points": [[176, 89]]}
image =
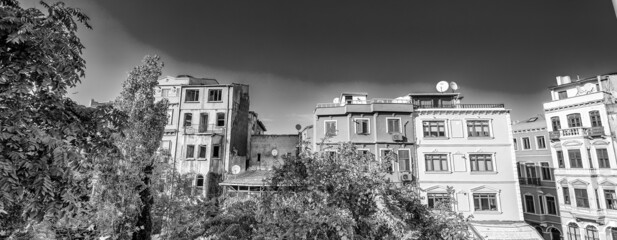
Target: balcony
{"points": [[465, 106], [575, 132], [554, 135], [596, 131], [204, 129], [576, 100], [530, 181]]}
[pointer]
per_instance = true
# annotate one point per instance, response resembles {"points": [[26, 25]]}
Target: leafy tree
{"points": [[47, 142], [344, 197]]}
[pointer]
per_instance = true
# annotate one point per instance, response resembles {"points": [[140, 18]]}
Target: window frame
{"points": [[218, 153], [192, 151], [186, 95], [585, 199], [566, 195], [441, 161], [574, 119], [445, 129], [202, 148], [594, 232], [434, 197], [515, 144], [170, 117], [595, 118], [562, 95], [220, 95], [357, 123], [220, 119], [400, 124], [560, 159], [546, 170], [398, 157], [538, 142], [477, 162], [188, 119], [554, 205], [488, 128], [523, 143], [611, 203], [578, 161], [488, 196], [529, 209], [556, 123], [165, 92], [576, 235], [604, 162], [325, 127]]}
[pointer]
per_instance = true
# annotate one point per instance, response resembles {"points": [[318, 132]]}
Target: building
{"points": [[582, 119], [467, 147], [306, 138], [535, 173], [376, 126], [207, 128]]}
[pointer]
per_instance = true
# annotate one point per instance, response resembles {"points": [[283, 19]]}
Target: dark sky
{"points": [[295, 54]]}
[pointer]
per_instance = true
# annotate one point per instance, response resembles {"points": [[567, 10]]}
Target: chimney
{"points": [[565, 80], [558, 80]]}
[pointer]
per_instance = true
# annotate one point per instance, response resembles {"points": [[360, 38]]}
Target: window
{"points": [[566, 195], [481, 162], [540, 201], [404, 164], [530, 170], [203, 122], [436, 162], [478, 128], [546, 171], [574, 120], [541, 142], [394, 125], [165, 92], [485, 201], [170, 117], [362, 126], [202, 151], [331, 154], [529, 204], [556, 123], [434, 198], [573, 233], [560, 159], [551, 206], [602, 154], [215, 95], [259, 157], [581, 198], [192, 95], [220, 119], [188, 119], [591, 233], [330, 128], [515, 144], [199, 183], [216, 151], [611, 199], [563, 94], [526, 143], [594, 116], [190, 151], [363, 152], [434, 128], [576, 161]]}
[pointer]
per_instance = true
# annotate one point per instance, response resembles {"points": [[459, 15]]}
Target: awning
{"points": [[504, 230]]}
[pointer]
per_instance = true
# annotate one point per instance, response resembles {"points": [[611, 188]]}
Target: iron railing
{"points": [[203, 129], [530, 181]]}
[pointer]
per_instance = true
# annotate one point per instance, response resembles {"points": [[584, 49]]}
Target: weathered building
{"points": [[582, 117], [208, 126], [536, 178]]}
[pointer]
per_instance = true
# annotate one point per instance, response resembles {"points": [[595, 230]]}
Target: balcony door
{"points": [[574, 120], [530, 170], [203, 122]]}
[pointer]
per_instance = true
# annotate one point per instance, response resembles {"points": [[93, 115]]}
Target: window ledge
{"points": [[202, 159], [480, 138], [484, 173], [487, 212], [215, 101], [189, 159], [437, 172], [436, 138], [191, 101]]}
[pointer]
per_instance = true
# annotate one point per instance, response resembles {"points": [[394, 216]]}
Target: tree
{"points": [[45, 138], [143, 133], [347, 196]]}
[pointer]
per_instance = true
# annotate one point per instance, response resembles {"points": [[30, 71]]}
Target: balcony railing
{"points": [[372, 101], [554, 135], [203, 129], [484, 105], [530, 181], [575, 132], [596, 131]]}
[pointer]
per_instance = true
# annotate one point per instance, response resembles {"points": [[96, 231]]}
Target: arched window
{"points": [[573, 232], [574, 120], [591, 233]]}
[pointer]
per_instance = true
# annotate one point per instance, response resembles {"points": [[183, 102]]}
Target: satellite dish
{"points": [[275, 152], [589, 87], [335, 100], [235, 169], [442, 86], [453, 86], [298, 127]]}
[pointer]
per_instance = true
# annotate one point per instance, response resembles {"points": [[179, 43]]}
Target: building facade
{"points": [[376, 126], [468, 148], [582, 118], [536, 178], [207, 127]]}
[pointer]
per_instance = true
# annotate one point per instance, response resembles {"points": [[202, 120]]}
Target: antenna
{"points": [[453, 86], [442, 86]]}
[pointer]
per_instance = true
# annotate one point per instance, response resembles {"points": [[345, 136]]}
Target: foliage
{"points": [[348, 196]]}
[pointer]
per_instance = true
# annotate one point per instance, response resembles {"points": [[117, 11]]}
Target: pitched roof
{"points": [[535, 122]]}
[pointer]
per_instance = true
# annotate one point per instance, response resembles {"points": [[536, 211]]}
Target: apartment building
{"points": [[536, 178], [208, 127], [376, 126], [582, 121], [467, 147]]}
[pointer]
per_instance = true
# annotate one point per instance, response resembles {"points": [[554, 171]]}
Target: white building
{"points": [[582, 121]]}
